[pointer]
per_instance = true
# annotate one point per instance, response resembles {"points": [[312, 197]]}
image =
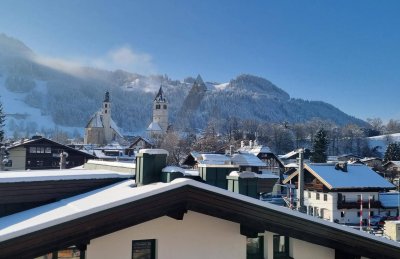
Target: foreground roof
{"points": [[79, 219]]}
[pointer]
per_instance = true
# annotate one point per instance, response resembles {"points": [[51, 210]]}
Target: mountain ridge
{"points": [[70, 99]]}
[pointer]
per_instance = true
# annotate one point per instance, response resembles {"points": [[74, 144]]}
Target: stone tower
{"points": [[106, 115], [160, 110]]}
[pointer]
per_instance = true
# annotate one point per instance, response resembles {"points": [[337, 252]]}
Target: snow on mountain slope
{"points": [[382, 141], [20, 116]]}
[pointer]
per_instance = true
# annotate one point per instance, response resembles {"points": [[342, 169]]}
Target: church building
{"points": [[159, 125], [101, 129]]}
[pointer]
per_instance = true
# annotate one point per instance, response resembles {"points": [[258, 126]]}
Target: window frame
{"points": [[152, 248]]}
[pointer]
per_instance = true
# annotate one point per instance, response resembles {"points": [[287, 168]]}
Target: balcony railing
{"points": [[356, 204]]}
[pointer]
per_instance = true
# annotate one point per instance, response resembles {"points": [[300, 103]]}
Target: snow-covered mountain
{"points": [[38, 95]]}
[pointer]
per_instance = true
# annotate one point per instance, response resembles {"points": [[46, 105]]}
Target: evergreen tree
{"points": [[2, 120], [392, 152], [320, 145]]}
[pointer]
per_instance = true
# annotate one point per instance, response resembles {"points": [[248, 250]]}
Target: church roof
{"points": [[160, 97], [96, 121], [154, 126]]}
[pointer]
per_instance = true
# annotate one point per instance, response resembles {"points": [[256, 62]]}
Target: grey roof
{"points": [[96, 121]]}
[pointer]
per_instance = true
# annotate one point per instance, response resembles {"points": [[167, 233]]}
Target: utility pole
{"points": [[300, 204]]}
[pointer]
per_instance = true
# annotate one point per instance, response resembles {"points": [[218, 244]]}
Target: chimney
{"points": [[341, 166], [231, 150], [149, 165]]}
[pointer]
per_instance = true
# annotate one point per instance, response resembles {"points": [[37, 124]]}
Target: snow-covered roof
{"points": [[396, 163], [357, 176], [79, 206], [112, 163], [292, 165], [389, 199], [96, 121], [154, 126], [246, 159], [289, 155], [246, 174], [56, 175], [255, 150], [186, 172], [366, 159], [154, 151], [214, 159]]}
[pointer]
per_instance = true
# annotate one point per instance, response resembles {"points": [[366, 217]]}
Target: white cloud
{"points": [[124, 58]]}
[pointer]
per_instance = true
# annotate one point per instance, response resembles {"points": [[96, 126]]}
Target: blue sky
{"points": [[346, 53]]}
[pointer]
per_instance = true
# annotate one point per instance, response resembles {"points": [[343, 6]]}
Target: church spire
{"points": [[160, 95]]}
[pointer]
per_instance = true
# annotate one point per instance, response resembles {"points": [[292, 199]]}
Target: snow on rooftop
{"points": [[112, 163], [357, 176], [246, 174], [186, 172], [390, 199], [56, 175], [155, 151], [246, 159], [255, 150], [214, 159], [288, 155], [154, 126], [122, 193]]}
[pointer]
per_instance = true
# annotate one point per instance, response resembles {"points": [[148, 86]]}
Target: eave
{"points": [[251, 214]]}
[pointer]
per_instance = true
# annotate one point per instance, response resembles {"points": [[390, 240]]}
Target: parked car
{"points": [[378, 220]]}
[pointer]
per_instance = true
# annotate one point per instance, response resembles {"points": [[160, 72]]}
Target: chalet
{"points": [[335, 191], [392, 166], [373, 162], [42, 153], [264, 153], [138, 143]]}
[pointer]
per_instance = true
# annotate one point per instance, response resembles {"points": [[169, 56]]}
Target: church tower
{"points": [[160, 110], [106, 116]]}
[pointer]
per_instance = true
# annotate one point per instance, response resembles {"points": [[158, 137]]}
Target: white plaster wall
{"points": [[304, 250], [196, 236], [18, 157]]}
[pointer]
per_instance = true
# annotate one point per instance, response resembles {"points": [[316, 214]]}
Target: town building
{"points": [[41, 153], [101, 129], [335, 192]]}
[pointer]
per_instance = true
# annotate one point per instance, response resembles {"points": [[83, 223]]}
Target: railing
{"points": [[356, 204]]}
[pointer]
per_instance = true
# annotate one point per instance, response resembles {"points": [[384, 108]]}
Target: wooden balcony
{"points": [[356, 204]]}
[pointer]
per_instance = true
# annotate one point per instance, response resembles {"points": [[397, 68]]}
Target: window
{"points": [[371, 213], [358, 214], [32, 150], [309, 194], [158, 106], [48, 150], [255, 248], [359, 197], [165, 106], [9, 163], [310, 211], [342, 214], [281, 246], [325, 197], [317, 195], [144, 249], [105, 105]]}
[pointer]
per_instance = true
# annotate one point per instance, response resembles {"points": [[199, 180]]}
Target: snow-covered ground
{"points": [[383, 141], [21, 114]]}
